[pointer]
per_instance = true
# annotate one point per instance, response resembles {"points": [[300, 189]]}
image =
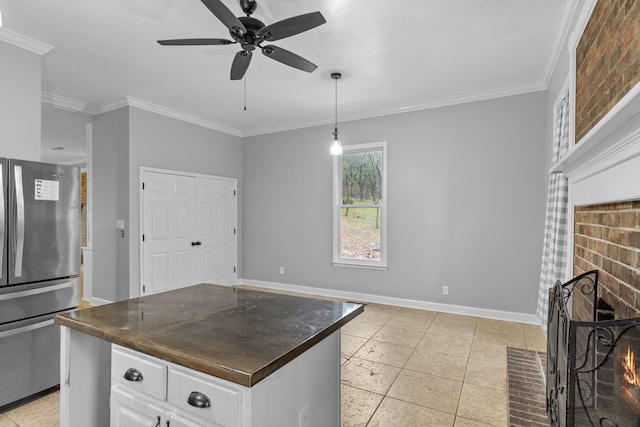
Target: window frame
{"points": [[338, 261]]}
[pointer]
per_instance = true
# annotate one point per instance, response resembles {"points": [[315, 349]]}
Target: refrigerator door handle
{"points": [[1, 218], [26, 328], [19, 219], [22, 294]]}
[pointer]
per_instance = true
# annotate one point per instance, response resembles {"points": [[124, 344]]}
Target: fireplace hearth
{"points": [[592, 376]]}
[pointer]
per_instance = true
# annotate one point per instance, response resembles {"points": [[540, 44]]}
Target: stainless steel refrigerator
{"points": [[40, 256]]}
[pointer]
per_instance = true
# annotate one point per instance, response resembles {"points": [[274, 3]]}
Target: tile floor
{"points": [[401, 367], [406, 367]]}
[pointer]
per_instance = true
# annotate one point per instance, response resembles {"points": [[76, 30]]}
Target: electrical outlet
{"points": [[281, 270], [445, 290], [305, 418]]}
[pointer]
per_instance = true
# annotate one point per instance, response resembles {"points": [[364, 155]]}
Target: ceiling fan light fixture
{"points": [[336, 145]]}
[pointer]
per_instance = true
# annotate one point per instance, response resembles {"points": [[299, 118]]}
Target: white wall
{"points": [[466, 205], [20, 117], [61, 128]]}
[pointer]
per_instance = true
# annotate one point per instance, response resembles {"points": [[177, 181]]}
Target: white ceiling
{"points": [[394, 56]]}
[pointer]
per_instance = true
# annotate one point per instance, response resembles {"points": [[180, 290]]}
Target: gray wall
{"points": [[466, 205], [110, 202], [162, 142], [20, 102]]}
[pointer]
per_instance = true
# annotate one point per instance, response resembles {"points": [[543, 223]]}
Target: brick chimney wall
{"points": [[607, 60], [607, 238]]}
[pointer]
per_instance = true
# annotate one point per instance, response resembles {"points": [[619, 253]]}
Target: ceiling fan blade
{"points": [[292, 26], [240, 64], [195, 42], [288, 58], [225, 16]]}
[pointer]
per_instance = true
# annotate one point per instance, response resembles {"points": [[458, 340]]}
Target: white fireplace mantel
{"points": [[604, 166]]}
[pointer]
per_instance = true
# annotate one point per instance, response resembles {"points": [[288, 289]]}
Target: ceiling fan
{"points": [[251, 33]]}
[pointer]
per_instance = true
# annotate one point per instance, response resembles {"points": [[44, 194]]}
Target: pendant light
{"points": [[336, 145]]}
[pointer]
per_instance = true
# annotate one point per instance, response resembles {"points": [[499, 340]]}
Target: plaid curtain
{"points": [[554, 254]]}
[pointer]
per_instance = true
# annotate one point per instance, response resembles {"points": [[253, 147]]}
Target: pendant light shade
{"points": [[336, 145]]}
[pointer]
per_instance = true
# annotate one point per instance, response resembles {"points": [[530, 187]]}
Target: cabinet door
{"points": [[175, 420], [217, 230], [168, 229], [128, 410]]}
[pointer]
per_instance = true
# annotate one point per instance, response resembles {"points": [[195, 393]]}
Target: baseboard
{"points": [[509, 316], [94, 301]]}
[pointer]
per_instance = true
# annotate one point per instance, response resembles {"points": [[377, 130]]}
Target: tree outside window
{"points": [[360, 216]]}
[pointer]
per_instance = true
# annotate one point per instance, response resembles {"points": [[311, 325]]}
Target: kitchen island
{"points": [[266, 359]]}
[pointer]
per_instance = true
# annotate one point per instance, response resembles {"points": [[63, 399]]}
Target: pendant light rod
{"points": [[336, 146], [336, 77]]}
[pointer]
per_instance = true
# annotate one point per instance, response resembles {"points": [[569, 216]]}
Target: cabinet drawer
{"points": [[139, 373], [224, 402]]}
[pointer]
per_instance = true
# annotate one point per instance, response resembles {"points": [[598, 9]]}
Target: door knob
{"points": [[198, 243], [194, 243]]}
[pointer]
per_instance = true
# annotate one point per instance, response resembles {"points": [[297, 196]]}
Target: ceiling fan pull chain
{"points": [[245, 92]]}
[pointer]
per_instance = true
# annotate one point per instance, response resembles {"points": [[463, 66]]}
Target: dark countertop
{"points": [[235, 334]]}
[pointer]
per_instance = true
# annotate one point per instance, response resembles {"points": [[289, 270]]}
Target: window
{"points": [[360, 206]]}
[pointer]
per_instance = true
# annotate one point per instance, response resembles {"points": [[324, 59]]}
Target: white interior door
{"points": [[168, 230], [217, 230], [189, 228]]}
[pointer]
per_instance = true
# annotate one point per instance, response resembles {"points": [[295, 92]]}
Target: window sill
{"points": [[359, 265]]}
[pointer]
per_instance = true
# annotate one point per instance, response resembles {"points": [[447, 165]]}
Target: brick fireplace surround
{"points": [[607, 238], [604, 165]]}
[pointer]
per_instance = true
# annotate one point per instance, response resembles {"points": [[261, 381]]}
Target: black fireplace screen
{"points": [[592, 378]]}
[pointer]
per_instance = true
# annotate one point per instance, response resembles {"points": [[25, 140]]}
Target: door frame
{"points": [[145, 169]]}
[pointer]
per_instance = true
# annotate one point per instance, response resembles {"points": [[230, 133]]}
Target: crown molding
{"points": [[74, 105], [24, 42], [444, 102], [89, 109], [116, 104], [561, 33], [69, 104], [167, 112]]}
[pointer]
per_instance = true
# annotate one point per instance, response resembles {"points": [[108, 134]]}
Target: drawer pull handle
{"points": [[133, 374], [198, 400]]}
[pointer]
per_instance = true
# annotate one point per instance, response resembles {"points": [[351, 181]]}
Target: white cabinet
{"points": [[176, 420], [146, 391], [129, 410], [200, 395], [189, 230], [139, 373], [310, 382]]}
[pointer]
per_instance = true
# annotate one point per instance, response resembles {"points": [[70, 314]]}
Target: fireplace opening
{"points": [[630, 387], [593, 375]]}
